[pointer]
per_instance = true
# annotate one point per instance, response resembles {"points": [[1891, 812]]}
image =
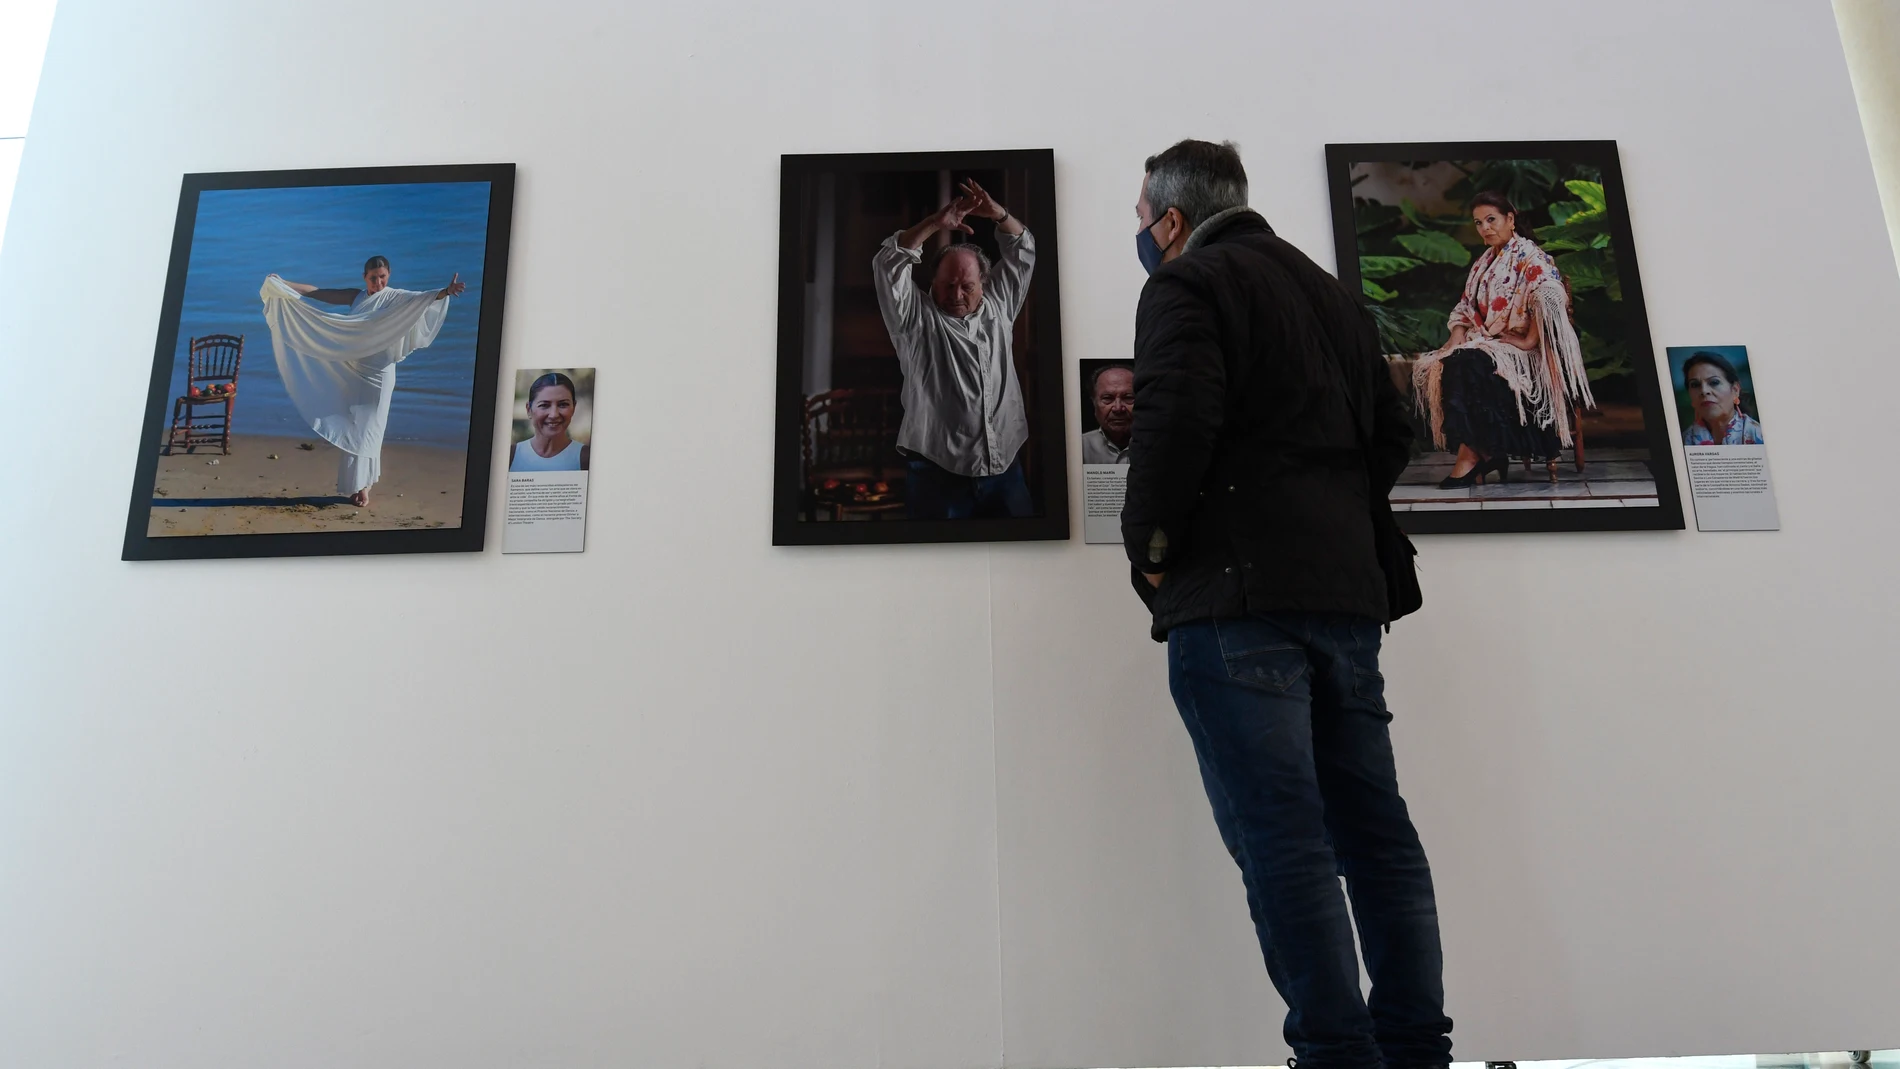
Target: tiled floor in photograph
{"points": [[1612, 478]]}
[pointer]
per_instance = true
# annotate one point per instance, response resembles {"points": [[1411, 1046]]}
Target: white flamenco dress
{"points": [[340, 367]]}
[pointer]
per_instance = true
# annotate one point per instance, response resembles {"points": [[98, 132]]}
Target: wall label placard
{"points": [[1723, 444], [550, 453], [1108, 416]]}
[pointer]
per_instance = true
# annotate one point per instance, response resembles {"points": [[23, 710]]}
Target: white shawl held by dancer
{"points": [[1514, 289], [340, 367]]}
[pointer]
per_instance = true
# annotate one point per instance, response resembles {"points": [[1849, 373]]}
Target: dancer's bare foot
{"points": [[361, 498]]}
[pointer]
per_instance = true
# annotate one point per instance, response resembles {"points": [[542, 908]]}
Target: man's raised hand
{"points": [[951, 217], [981, 203]]}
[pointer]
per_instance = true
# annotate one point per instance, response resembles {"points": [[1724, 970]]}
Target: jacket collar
{"points": [[1226, 219]]}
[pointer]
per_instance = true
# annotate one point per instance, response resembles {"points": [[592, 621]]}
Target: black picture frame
{"points": [[1045, 411], [467, 538], [1667, 514]]}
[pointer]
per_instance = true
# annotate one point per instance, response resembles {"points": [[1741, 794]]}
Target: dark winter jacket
{"points": [[1266, 430]]}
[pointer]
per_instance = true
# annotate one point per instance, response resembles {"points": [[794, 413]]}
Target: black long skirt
{"points": [[1481, 411]]}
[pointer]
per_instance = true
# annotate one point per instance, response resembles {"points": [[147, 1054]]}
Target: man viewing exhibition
{"points": [[964, 423], [1112, 395], [1267, 435]]}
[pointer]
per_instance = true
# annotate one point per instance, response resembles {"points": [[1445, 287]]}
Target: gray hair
{"points": [[1095, 378], [982, 260], [1199, 178]]}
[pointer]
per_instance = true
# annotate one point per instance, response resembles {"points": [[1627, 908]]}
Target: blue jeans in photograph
{"points": [[1287, 713], [931, 493]]}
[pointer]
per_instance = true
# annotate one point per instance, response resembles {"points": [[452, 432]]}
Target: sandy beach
{"points": [[287, 485]]}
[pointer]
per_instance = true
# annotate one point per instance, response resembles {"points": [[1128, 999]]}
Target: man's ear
{"points": [[1179, 238]]}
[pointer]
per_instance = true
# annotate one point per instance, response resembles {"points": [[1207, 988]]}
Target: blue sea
{"points": [[321, 235]]}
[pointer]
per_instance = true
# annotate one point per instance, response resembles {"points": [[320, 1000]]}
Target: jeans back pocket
{"points": [[1266, 660]]}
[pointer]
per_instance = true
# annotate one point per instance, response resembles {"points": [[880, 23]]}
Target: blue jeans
{"points": [[1287, 712], [931, 493]]}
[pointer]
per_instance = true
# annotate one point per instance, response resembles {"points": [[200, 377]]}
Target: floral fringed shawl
{"points": [[1514, 289]]}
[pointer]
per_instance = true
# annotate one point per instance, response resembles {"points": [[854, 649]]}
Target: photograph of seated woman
{"points": [[1509, 379], [1509, 311], [551, 401], [1714, 391]]}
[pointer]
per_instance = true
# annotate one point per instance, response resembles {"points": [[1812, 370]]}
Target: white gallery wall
{"points": [[690, 800], [24, 25]]}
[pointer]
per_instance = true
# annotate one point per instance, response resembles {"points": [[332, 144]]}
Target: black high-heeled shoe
{"points": [[1500, 464]]}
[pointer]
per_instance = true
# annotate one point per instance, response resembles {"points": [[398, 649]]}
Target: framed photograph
{"points": [[325, 376], [1503, 279], [919, 350]]}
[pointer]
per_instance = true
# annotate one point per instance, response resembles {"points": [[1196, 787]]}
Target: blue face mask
{"points": [[1147, 248]]}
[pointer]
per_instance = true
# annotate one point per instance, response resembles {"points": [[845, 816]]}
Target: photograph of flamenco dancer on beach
{"points": [[321, 374], [1503, 282]]}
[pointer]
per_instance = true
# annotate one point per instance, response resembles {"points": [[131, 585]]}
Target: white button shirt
{"points": [[963, 407], [1097, 449]]}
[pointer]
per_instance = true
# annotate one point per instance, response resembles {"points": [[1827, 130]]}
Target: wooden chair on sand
{"points": [[202, 414]]}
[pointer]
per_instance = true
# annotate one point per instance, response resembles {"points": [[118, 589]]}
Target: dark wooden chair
{"points": [[202, 414], [1576, 440], [849, 440]]}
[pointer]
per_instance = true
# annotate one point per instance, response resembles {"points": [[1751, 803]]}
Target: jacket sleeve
{"points": [[1180, 401], [1391, 430]]}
